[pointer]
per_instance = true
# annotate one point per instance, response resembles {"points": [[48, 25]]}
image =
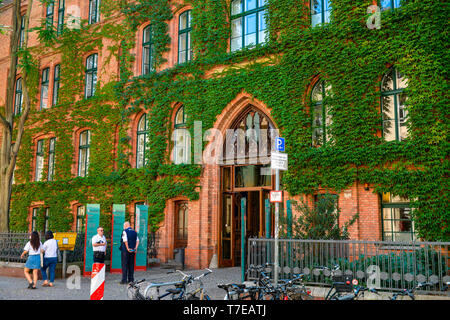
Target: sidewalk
{"points": [[16, 288]]}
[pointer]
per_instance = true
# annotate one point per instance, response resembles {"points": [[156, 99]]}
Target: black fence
{"points": [[386, 265], [12, 244]]}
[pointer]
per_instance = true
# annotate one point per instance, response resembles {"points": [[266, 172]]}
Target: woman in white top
{"points": [[33, 248], [50, 247]]}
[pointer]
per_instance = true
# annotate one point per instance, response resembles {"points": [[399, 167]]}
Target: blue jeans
{"points": [[49, 263]]}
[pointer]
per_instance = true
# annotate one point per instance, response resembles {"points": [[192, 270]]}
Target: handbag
{"points": [[99, 255], [58, 253]]}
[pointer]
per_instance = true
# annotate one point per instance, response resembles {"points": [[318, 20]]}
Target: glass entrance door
{"points": [[239, 182]]}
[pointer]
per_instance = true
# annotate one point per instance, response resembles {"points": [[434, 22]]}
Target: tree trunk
{"points": [[5, 185], [9, 147]]}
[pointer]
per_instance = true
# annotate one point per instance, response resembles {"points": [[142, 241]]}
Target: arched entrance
{"points": [[244, 173]]}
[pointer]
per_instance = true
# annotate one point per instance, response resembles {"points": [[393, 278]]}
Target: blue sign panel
{"points": [[280, 145], [117, 228], [141, 229], [92, 223]]}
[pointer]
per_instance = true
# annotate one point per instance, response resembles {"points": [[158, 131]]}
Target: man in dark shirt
{"points": [[129, 244]]}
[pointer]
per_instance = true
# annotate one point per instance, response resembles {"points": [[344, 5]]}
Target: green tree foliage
{"points": [[320, 222]]}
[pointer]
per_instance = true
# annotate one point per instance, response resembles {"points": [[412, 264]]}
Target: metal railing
{"points": [[386, 265], [12, 244]]}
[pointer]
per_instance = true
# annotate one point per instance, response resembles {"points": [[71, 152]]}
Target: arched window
{"points": [[321, 118], [181, 138], [142, 141], [389, 4], [180, 118], [181, 222], [148, 51], [249, 139], [81, 215], [18, 97], [248, 23], [184, 37], [84, 153], [91, 75], [320, 12], [393, 109]]}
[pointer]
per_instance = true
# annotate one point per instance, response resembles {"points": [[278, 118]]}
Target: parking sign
{"points": [[280, 146]]}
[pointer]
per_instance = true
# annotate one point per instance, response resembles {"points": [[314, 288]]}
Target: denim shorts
{"points": [[33, 262]]}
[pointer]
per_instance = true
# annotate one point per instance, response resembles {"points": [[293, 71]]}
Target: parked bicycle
{"points": [[344, 287], [235, 291], [287, 289], [134, 292], [198, 293], [152, 291], [341, 285], [410, 292], [295, 289], [180, 290]]}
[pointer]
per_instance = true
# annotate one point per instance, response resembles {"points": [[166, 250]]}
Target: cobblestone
{"points": [[16, 288]]}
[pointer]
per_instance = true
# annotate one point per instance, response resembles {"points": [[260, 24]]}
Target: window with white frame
{"points": [[248, 23]]}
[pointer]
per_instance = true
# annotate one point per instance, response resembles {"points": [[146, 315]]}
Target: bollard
{"points": [[97, 281]]}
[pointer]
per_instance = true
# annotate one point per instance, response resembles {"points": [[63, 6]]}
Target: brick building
{"points": [[209, 224]]}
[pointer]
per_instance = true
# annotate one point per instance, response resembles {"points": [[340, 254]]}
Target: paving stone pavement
{"points": [[16, 288]]}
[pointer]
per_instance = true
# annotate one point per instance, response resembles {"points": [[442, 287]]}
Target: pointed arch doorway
{"points": [[245, 173]]}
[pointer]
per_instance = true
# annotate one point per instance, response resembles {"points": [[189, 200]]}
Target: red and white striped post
{"points": [[97, 281]]}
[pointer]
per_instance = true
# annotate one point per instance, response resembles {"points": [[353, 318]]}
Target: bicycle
{"points": [[152, 291], [134, 292], [340, 284], [410, 292], [239, 291], [358, 291], [295, 289], [288, 289], [259, 291], [192, 295]]}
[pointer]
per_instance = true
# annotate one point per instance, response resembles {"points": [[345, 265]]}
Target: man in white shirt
{"points": [[99, 246]]}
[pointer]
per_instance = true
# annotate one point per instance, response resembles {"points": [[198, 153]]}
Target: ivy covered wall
{"points": [[349, 56]]}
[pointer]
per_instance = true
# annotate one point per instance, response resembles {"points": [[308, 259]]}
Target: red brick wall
{"points": [[203, 228]]}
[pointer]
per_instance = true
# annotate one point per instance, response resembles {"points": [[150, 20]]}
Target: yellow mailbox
{"points": [[66, 240]]}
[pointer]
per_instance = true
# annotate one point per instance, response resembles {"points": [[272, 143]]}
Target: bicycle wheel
{"points": [[299, 294], [134, 294]]}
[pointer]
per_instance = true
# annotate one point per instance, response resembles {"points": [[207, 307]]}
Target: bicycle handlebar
{"points": [[204, 274], [424, 284], [188, 277], [335, 268], [134, 283]]}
